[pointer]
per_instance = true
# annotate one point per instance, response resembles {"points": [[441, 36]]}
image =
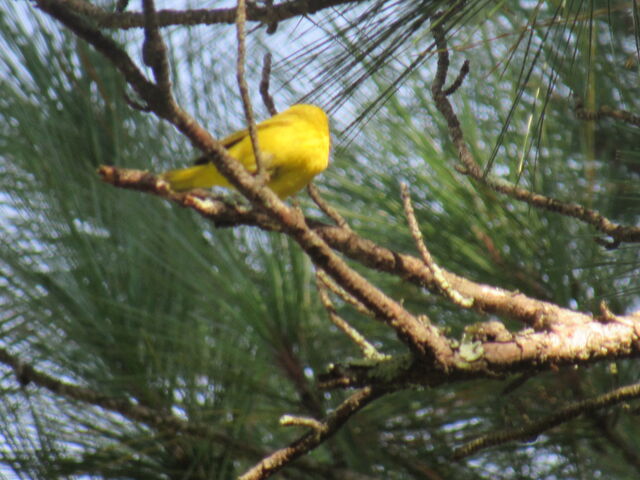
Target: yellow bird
{"points": [[294, 145]]}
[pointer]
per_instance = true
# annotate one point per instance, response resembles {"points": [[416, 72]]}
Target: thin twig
{"points": [[345, 296], [324, 429], [443, 285], [267, 99], [368, 350], [154, 50], [532, 430], [464, 71], [328, 210], [298, 421], [605, 111], [241, 35], [105, 45]]}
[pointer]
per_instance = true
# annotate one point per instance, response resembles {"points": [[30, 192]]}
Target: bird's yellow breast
{"points": [[295, 147]]}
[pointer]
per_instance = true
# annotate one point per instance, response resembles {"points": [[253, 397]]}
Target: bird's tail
{"points": [[200, 176]]}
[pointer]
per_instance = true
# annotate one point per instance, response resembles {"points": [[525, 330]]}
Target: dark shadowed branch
{"points": [[266, 15], [265, 81], [169, 425], [605, 111], [533, 429]]}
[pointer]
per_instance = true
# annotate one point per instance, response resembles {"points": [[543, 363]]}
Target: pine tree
{"points": [[458, 302]]}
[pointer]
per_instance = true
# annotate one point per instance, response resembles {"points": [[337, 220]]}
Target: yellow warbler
{"points": [[294, 145]]}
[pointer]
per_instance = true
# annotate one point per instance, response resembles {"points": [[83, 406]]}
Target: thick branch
{"points": [[492, 357], [486, 298]]}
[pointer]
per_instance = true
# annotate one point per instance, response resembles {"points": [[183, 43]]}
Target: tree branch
{"points": [[532, 430], [321, 431], [331, 285], [489, 356], [169, 424], [154, 50], [443, 286], [421, 338], [241, 38], [605, 111], [26, 374], [470, 167], [327, 209], [255, 13], [487, 299], [105, 45], [368, 350], [265, 79]]}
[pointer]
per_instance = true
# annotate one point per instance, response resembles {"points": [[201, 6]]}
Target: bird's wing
{"points": [[240, 135]]}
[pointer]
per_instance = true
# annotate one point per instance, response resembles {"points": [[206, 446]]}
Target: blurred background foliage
{"points": [[138, 299]]}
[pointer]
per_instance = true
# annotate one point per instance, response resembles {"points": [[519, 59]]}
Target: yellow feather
{"points": [[294, 145]]}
